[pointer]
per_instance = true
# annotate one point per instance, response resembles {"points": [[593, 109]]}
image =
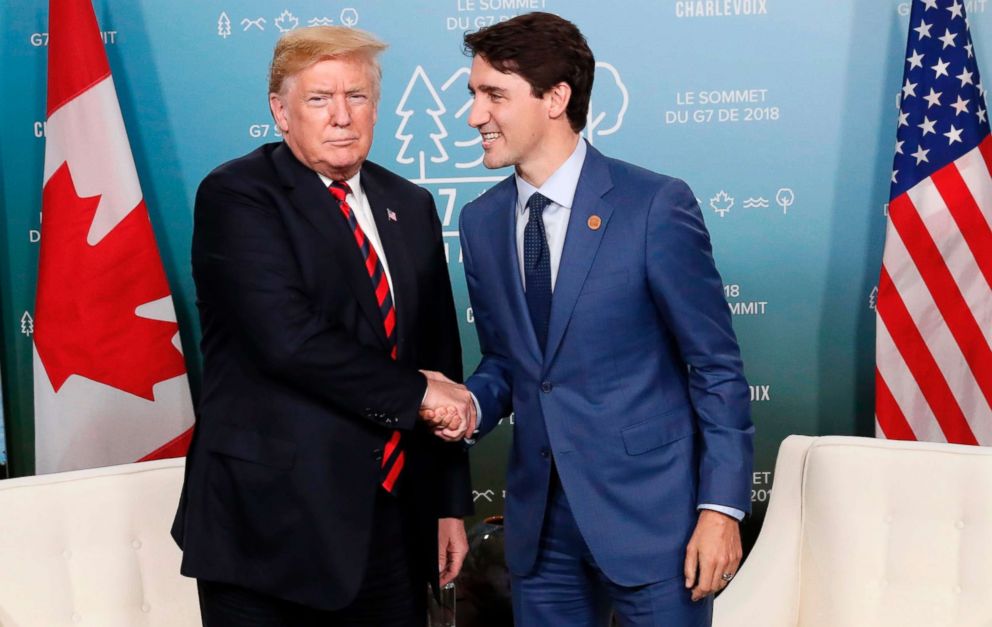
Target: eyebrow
{"points": [[486, 89], [330, 92]]}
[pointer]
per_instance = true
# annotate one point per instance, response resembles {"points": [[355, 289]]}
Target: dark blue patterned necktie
{"points": [[537, 268]]}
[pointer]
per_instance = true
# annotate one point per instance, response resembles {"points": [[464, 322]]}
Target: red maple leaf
{"points": [[85, 320]]}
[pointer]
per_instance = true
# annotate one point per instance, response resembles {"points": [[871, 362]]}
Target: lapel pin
{"points": [[594, 222], [391, 215]]}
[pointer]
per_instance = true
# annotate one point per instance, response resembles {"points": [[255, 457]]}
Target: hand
{"points": [[448, 407], [452, 547], [714, 549], [445, 421], [441, 418]]}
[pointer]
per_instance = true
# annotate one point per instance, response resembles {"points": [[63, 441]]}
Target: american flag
{"points": [[933, 375]]}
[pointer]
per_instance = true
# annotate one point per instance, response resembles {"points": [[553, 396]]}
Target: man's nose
{"points": [[478, 115], [341, 113]]}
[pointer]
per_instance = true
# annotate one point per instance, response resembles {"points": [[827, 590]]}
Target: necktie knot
{"points": [[339, 189], [537, 203]]}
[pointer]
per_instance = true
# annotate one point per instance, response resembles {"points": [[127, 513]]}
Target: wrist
{"points": [[720, 518], [425, 399]]}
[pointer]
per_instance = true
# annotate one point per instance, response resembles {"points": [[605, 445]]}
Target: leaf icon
{"points": [[721, 203], [286, 21]]}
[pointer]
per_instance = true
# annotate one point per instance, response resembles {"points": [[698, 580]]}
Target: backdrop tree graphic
{"points": [[224, 25], [608, 103], [421, 98]]}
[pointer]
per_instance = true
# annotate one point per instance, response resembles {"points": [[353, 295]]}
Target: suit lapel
{"points": [[404, 281], [581, 245], [312, 200]]}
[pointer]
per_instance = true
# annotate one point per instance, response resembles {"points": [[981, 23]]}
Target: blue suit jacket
{"points": [[639, 396]]}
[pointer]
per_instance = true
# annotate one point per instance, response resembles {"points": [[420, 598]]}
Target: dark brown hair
{"points": [[545, 50]]}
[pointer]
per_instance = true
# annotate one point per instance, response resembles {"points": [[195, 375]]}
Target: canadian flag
{"points": [[110, 381]]}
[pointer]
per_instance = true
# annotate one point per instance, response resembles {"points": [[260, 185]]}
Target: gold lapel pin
{"points": [[594, 222]]}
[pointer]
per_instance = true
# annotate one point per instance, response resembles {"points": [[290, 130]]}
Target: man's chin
{"points": [[339, 169], [495, 162], [338, 174]]}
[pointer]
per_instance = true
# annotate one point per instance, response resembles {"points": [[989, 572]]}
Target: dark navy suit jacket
{"points": [[639, 397], [299, 391]]}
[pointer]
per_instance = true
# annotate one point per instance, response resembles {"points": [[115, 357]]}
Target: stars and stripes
{"points": [[933, 353], [393, 456]]}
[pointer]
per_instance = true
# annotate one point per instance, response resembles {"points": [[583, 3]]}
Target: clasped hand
{"points": [[447, 408]]}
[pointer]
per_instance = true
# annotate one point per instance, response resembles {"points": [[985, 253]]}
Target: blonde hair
{"points": [[299, 49]]}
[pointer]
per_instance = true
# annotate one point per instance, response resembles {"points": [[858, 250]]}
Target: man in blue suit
{"points": [[603, 325]]}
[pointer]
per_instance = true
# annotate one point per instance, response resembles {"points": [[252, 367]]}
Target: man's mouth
{"points": [[488, 138]]}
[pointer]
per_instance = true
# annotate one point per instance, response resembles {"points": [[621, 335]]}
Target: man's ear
{"points": [[558, 98], [279, 112]]}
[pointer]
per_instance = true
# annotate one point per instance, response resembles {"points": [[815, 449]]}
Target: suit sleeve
{"points": [[245, 268], [688, 292], [443, 353], [491, 383]]}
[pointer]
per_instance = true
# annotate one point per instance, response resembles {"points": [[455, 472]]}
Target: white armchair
{"points": [[92, 547], [870, 533]]}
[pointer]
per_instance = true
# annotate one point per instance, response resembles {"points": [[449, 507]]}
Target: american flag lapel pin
{"points": [[391, 215]]}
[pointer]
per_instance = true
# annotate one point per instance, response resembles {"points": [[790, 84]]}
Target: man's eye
{"points": [[358, 98]]}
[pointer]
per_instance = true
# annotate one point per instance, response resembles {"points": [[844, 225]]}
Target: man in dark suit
{"points": [[602, 323], [315, 493]]}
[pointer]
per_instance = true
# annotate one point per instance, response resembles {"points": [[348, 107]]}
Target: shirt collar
{"points": [[560, 186], [355, 183]]}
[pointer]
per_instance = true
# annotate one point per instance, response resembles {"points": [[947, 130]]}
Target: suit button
{"points": [[377, 454], [546, 386], [545, 453]]}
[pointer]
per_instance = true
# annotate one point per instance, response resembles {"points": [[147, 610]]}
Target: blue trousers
{"points": [[567, 589]]}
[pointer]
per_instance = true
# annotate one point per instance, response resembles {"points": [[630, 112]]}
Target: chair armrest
{"points": [[766, 589]]}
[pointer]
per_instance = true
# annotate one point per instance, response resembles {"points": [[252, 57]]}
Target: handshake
{"points": [[448, 408]]}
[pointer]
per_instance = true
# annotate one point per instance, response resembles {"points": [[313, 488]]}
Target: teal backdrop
{"points": [[780, 114]]}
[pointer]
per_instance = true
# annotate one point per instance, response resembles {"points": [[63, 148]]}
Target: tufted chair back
{"points": [[92, 547], [870, 533]]}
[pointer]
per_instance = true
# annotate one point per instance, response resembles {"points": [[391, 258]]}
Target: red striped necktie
{"points": [[393, 457]]}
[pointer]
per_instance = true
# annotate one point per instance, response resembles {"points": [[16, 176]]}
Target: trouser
{"points": [[390, 594]]}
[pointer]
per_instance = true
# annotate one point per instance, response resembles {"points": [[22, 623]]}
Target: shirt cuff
{"points": [[733, 512], [469, 441]]}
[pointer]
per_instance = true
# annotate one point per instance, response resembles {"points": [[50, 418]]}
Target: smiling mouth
{"points": [[489, 138]]}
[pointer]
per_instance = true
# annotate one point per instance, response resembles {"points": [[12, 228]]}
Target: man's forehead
{"points": [[321, 72], [484, 77]]}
